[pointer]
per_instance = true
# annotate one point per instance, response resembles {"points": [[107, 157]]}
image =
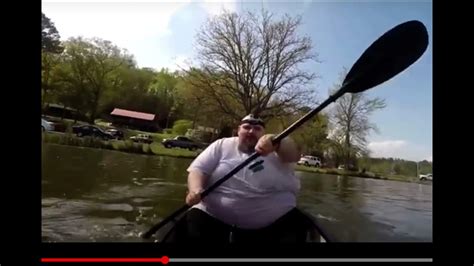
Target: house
{"points": [[133, 119]]}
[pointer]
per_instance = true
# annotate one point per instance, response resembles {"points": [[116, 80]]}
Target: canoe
{"points": [[175, 232]]}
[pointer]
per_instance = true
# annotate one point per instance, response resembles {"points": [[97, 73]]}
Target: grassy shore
{"points": [[333, 171], [118, 145], [157, 149]]}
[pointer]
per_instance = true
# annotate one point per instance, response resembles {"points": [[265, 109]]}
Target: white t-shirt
{"points": [[255, 196]]}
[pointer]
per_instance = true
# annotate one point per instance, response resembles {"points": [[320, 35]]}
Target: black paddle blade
{"points": [[389, 55]]}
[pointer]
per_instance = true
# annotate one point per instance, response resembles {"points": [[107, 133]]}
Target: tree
{"points": [[425, 167], [197, 102], [50, 57], [313, 136], [254, 61], [351, 121], [50, 39], [164, 87], [134, 83], [90, 69], [397, 169], [50, 65]]}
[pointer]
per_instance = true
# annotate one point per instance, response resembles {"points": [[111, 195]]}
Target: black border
{"points": [[446, 105], [21, 136], [450, 226], [26, 216]]}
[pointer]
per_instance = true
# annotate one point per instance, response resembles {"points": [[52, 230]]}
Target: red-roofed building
{"points": [[134, 119]]}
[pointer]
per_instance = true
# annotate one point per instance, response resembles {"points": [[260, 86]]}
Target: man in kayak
{"points": [[256, 204]]}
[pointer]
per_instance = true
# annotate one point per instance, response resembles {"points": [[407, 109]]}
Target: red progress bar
{"points": [[163, 260]]}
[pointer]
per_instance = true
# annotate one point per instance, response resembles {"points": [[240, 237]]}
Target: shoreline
{"points": [[156, 149], [337, 172]]}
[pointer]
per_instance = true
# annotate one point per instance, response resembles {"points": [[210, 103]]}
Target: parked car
{"points": [[426, 177], [46, 125], [115, 133], [142, 138], [93, 131], [308, 160], [184, 143], [55, 124]]}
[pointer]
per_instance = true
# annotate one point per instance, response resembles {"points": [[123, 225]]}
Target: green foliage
{"points": [[50, 39], [180, 127], [88, 71], [132, 82], [146, 149], [163, 87], [200, 135], [168, 131], [312, 137], [397, 169], [349, 173], [70, 139], [391, 166], [50, 80], [425, 167]]}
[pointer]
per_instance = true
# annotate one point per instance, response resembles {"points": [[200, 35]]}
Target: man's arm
{"points": [[200, 170], [288, 151], [196, 181]]}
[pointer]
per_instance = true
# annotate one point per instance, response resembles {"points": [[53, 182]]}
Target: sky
{"points": [[161, 34]]}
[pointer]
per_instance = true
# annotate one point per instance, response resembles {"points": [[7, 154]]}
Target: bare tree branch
{"points": [[256, 59], [351, 117]]}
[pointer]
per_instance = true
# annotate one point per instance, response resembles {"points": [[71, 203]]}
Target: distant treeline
{"points": [[395, 166]]}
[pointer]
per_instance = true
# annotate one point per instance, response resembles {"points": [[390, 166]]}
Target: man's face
{"points": [[249, 134]]}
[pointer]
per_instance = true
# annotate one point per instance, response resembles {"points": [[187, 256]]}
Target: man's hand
{"points": [[286, 149], [264, 145], [193, 198]]}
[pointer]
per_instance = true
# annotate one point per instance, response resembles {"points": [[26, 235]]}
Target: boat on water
{"points": [[176, 232]]}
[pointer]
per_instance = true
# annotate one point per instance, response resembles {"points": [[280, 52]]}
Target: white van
{"points": [[308, 160]]}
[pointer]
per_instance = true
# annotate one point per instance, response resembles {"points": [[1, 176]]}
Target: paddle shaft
{"points": [[255, 155]]}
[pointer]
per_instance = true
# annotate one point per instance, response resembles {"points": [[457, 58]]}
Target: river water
{"points": [[108, 196]]}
